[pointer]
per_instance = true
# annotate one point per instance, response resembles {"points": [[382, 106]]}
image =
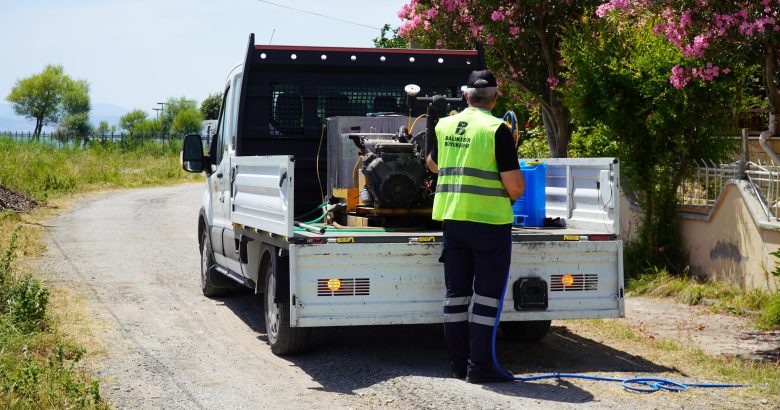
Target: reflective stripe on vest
{"points": [[469, 172], [469, 186], [471, 189]]}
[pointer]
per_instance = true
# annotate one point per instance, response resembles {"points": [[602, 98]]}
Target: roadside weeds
{"points": [[43, 329], [762, 306]]}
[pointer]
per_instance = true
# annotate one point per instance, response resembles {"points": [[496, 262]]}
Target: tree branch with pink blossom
{"points": [[521, 40], [715, 36]]}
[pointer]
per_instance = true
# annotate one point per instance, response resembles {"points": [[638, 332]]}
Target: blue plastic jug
{"points": [[529, 209]]}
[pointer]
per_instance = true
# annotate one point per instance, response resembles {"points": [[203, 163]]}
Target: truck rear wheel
{"points": [[530, 331], [283, 339], [212, 283]]}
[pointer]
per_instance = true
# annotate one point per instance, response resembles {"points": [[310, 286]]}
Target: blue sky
{"points": [[136, 53]]}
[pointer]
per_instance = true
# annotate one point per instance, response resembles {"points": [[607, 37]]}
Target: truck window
{"points": [[234, 117], [286, 110], [223, 117], [359, 100]]}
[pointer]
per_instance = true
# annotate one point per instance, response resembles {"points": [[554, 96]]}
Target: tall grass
{"points": [[42, 171], [39, 368]]}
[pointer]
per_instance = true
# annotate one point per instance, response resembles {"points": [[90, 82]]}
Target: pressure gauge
{"points": [[412, 90]]}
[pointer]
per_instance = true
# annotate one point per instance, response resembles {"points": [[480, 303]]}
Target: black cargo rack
{"points": [[287, 93]]}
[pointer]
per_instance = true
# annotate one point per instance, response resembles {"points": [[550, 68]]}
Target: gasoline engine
{"points": [[376, 164], [394, 170]]}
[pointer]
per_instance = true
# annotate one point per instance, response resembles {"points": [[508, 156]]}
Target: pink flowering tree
{"points": [[521, 39], [716, 37], [619, 81]]}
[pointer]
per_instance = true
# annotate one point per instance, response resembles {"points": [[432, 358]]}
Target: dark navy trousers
{"points": [[476, 260]]}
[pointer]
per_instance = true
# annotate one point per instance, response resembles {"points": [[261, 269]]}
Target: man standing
{"points": [[479, 176]]}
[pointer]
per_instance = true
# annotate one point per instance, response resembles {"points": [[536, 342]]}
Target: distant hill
{"points": [[9, 121]]}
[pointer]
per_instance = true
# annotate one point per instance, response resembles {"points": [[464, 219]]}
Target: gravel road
{"points": [[133, 254]]}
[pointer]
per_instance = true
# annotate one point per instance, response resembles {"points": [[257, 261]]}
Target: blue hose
{"points": [[638, 384]]}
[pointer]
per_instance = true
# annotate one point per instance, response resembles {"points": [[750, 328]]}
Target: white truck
{"points": [[371, 254]]}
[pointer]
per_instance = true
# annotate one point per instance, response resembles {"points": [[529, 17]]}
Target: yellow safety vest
{"points": [[469, 186]]}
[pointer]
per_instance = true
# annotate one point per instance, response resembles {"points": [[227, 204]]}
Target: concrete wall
{"points": [[758, 155], [731, 244]]}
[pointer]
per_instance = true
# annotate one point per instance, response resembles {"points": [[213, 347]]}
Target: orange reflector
{"points": [[334, 284], [567, 280]]}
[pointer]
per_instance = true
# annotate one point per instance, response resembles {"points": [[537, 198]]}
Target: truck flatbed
{"points": [[519, 234]]}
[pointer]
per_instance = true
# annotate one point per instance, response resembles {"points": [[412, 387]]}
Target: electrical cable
{"points": [[638, 384], [317, 163], [319, 14], [415, 122], [355, 175]]}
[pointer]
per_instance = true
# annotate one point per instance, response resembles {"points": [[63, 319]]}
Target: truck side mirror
{"points": [[192, 158]]}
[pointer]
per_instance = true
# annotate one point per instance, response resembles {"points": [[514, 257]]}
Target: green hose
{"points": [[314, 221], [320, 206], [336, 230]]}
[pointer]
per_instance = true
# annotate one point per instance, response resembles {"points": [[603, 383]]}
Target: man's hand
{"points": [[514, 183]]}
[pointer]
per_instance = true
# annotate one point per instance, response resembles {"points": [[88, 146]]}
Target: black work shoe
{"points": [[458, 369], [485, 378], [458, 374]]}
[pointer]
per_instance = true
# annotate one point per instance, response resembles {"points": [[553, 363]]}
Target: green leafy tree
{"points": [[619, 74], [129, 121], [39, 96], [147, 128], [186, 122], [209, 108], [176, 107], [104, 129], [75, 109], [394, 41]]}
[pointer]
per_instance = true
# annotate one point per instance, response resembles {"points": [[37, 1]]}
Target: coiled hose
{"points": [[638, 384]]}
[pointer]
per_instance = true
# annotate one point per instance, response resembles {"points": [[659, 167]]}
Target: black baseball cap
{"points": [[481, 79]]}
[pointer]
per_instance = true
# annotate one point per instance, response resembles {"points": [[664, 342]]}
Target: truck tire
{"points": [[212, 283], [283, 339], [526, 332]]}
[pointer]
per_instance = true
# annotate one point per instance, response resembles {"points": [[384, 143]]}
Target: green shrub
{"points": [[37, 368], [8, 257], [776, 271], [770, 316], [592, 142], [534, 144], [27, 299]]}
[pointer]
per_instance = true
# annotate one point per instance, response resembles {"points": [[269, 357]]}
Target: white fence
{"points": [[700, 193]]}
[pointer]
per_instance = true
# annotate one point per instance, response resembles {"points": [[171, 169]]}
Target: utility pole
{"points": [[159, 110]]}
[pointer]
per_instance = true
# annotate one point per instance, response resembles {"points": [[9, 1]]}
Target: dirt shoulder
{"points": [[714, 333]]}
